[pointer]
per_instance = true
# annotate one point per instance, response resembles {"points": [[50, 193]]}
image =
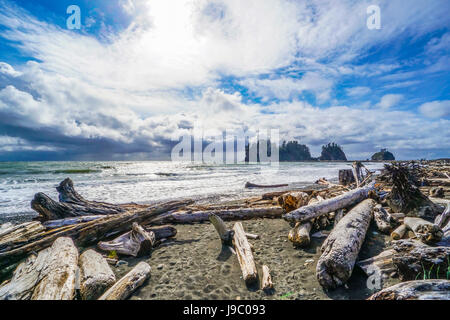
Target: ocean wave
{"points": [[77, 171]]}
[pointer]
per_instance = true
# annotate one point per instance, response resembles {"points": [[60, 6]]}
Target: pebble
{"points": [[160, 266], [309, 261], [121, 263]]}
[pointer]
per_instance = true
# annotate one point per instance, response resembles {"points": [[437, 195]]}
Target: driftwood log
{"points": [[250, 185], [244, 254], [129, 283], [96, 275], [293, 200], [340, 250], [398, 233], [14, 235], [267, 284], [425, 231], [383, 220], [416, 290], [346, 177], [136, 243], [381, 264], [55, 224], [415, 260], [443, 219], [226, 235], [49, 275], [318, 209], [162, 232], [299, 235]]}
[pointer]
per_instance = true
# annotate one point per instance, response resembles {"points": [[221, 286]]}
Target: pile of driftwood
{"points": [[43, 255]]}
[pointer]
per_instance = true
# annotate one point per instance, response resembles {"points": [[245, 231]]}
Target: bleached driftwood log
{"points": [[293, 200], [267, 283], [299, 235], [357, 174], [414, 260], [346, 177], [318, 209], [14, 235], [416, 290], [244, 254], [443, 219], [226, 235], [398, 233], [162, 232], [425, 231], [381, 264], [338, 216], [49, 275], [340, 250], [90, 232], [128, 284], [54, 224], [136, 242], [383, 219], [188, 217], [96, 275]]}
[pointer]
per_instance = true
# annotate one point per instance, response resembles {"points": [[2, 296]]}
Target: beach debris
{"points": [[341, 248], [252, 236], [293, 200], [96, 275], [338, 216], [346, 177], [226, 235], [12, 235], [136, 243], [55, 224], [425, 231], [437, 192], [48, 275], [244, 254], [250, 185], [378, 265], [123, 288], [321, 208], [267, 284], [399, 232], [415, 290], [443, 219], [414, 260], [383, 219], [320, 234], [299, 235]]}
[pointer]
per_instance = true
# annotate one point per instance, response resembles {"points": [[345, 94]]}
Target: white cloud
{"points": [[436, 109], [389, 100], [8, 70], [358, 91]]}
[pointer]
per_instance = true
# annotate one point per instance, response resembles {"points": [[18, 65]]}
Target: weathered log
{"points": [[250, 185], [188, 217], [356, 169], [244, 254], [91, 232], [416, 290], [299, 235], [381, 264], [398, 233], [437, 192], [443, 219], [338, 216], [318, 209], [54, 224], [346, 177], [340, 250], [416, 260], [162, 232], [136, 242], [128, 284], [383, 219], [96, 275], [15, 235], [425, 231], [293, 200], [267, 284], [226, 235]]}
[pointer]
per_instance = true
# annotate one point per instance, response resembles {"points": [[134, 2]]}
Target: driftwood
{"points": [[293, 200], [346, 177], [244, 254], [318, 209], [91, 232], [267, 284], [136, 242], [250, 185], [381, 264], [299, 235], [162, 232], [55, 224], [415, 260], [128, 284], [188, 217], [252, 236], [338, 216], [49, 275], [340, 250], [226, 235], [357, 174], [96, 275], [14, 235], [416, 290], [425, 231], [383, 219], [443, 219], [398, 233]]}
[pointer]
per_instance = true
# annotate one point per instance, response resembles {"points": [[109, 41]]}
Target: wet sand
{"points": [[194, 265]]}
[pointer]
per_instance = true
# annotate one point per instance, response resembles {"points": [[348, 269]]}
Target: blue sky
{"points": [[139, 74]]}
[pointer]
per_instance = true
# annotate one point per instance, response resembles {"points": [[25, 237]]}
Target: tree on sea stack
{"points": [[383, 155], [332, 151]]}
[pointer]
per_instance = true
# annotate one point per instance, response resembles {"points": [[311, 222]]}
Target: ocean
{"points": [[146, 182]]}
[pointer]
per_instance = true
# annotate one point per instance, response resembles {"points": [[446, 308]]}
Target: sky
{"points": [[140, 74]]}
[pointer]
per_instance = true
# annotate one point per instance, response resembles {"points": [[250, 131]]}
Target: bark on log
{"points": [[267, 284], [398, 233], [416, 290], [299, 235], [128, 284], [293, 200], [341, 248], [136, 242], [381, 264], [226, 235], [415, 260], [96, 275], [383, 219], [244, 254], [425, 231], [91, 232], [318, 209], [188, 217]]}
